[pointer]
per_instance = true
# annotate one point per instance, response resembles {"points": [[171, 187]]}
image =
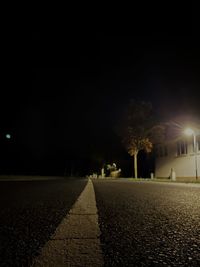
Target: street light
{"points": [[191, 132]]}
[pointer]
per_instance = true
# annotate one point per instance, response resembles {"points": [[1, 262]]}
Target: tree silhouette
{"points": [[138, 129]]}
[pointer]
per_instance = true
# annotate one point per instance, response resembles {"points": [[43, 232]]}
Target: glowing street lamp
{"points": [[191, 132]]}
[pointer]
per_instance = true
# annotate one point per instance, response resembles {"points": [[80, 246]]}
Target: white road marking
{"points": [[76, 240]]}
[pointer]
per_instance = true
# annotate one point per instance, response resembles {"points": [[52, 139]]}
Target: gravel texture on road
{"points": [[149, 224], [30, 211]]}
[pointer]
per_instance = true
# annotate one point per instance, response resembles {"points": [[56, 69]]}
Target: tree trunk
{"points": [[135, 165]]}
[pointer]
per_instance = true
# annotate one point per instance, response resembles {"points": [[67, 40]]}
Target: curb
{"points": [[76, 240]]}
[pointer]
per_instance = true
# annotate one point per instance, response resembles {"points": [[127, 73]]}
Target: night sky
{"points": [[83, 75]]}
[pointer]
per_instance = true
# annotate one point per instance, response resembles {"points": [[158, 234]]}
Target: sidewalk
{"points": [[164, 181]]}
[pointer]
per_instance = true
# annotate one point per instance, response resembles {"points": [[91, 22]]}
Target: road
{"points": [[141, 223], [149, 224], [30, 211]]}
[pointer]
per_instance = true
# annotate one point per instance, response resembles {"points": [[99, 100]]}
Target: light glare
{"points": [[189, 131]]}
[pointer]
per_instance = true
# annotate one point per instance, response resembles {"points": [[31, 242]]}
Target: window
{"points": [[182, 148], [198, 143], [161, 151], [197, 148], [165, 151]]}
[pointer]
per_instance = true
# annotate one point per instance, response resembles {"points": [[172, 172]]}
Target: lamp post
{"points": [[191, 132]]}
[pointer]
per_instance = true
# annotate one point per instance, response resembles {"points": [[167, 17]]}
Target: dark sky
{"points": [[84, 73]]}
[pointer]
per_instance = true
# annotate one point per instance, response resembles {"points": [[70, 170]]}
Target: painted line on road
{"points": [[76, 240]]}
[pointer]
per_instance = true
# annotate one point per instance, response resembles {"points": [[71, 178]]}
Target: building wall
{"points": [[183, 165]]}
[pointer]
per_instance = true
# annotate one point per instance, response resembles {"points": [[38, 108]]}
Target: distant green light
{"points": [[8, 136]]}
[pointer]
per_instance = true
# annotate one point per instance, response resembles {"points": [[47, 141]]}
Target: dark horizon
{"points": [[82, 80]]}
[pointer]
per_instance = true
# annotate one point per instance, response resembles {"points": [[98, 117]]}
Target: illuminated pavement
{"points": [[141, 223], [149, 224]]}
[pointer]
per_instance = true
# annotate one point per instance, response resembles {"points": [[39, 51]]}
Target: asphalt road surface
{"points": [[30, 211], [149, 224], [141, 223]]}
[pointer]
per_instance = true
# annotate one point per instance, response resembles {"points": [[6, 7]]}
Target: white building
{"points": [[177, 158]]}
